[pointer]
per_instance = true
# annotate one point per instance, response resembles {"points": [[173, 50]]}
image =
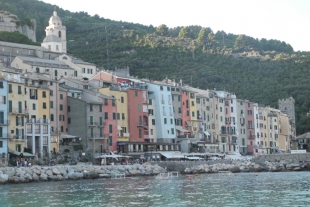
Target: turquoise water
{"points": [[242, 189]]}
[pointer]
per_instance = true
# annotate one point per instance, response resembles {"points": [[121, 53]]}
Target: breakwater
{"points": [[73, 172]]}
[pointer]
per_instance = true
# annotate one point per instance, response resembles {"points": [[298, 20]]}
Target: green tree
{"points": [[184, 32], [162, 30]]}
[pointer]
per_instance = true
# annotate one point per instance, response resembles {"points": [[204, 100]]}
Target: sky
{"points": [[284, 20]]}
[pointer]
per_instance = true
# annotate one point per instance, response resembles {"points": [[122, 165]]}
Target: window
{"points": [[1, 144], [91, 107], [19, 90], [1, 84], [231, 109], [193, 114], [61, 117], [161, 88], [179, 98], [62, 128], [151, 112], [51, 92], [44, 94], [52, 117], [106, 115], [2, 99], [44, 105], [100, 108], [34, 106], [221, 109], [140, 133], [150, 101], [139, 107], [193, 103], [153, 121], [114, 116], [113, 102], [136, 93], [123, 116], [60, 107], [69, 120], [68, 108], [165, 120], [172, 130], [110, 140], [61, 96], [10, 88], [75, 74], [118, 116], [122, 99], [171, 121], [106, 103], [110, 128]]}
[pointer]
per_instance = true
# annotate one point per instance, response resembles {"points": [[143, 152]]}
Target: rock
{"points": [[55, 171], [4, 178], [235, 169], [98, 171], [75, 176], [255, 169], [62, 171], [36, 171], [134, 172], [104, 175], [43, 177], [35, 177], [245, 170], [49, 173], [293, 165], [91, 175], [297, 169], [9, 173]]}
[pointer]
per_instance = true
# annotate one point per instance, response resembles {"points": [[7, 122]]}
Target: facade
{"points": [[250, 134], [4, 121]]}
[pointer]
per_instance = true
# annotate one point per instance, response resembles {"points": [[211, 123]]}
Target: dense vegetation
{"points": [[198, 56], [16, 37]]}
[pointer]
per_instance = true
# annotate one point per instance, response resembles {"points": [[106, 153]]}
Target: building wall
{"points": [[284, 142], [250, 135], [241, 122], [186, 116], [78, 125], [4, 122], [110, 129]]}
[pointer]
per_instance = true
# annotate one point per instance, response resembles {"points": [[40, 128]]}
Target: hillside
{"points": [[194, 54]]}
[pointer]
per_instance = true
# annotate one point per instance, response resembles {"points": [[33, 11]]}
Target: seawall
{"points": [[278, 157]]}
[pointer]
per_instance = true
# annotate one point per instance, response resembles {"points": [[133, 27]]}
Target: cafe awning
{"points": [[67, 136], [179, 128], [17, 154], [206, 133]]}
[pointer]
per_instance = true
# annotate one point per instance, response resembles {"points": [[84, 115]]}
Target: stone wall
{"points": [[181, 166], [278, 157]]}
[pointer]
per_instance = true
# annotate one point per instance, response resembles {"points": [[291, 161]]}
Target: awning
{"points": [[189, 123], [179, 128], [25, 154], [119, 128], [206, 133], [62, 136]]}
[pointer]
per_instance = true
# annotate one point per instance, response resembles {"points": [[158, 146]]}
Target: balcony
{"points": [[4, 122], [250, 127], [17, 138], [18, 111], [252, 136], [123, 134], [272, 114], [147, 137], [186, 136], [141, 123], [92, 124], [223, 131], [231, 132], [232, 142], [4, 135], [55, 132], [39, 121]]}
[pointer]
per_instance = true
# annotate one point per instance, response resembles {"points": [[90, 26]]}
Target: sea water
{"points": [[240, 189]]}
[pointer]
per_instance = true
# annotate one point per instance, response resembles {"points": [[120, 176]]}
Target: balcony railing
{"points": [[232, 142], [250, 127], [18, 137], [18, 111], [252, 136], [39, 121], [146, 136], [4, 122], [93, 123], [223, 131], [4, 135], [186, 136], [123, 134], [231, 132], [141, 123], [55, 132]]}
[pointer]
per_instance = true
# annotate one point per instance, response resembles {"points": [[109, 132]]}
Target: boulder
{"points": [[55, 171], [75, 176], [133, 172], [43, 177], [35, 177], [36, 171], [235, 169], [9, 173], [297, 169], [4, 178], [62, 171], [255, 169], [49, 173], [91, 175]]}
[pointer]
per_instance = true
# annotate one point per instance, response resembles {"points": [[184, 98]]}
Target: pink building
{"points": [[250, 132]]}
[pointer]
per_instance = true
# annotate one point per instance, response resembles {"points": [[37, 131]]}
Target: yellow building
{"points": [[122, 110], [193, 112], [17, 112], [284, 132]]}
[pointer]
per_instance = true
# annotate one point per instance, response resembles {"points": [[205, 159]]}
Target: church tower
{"points": [[55, 40]]}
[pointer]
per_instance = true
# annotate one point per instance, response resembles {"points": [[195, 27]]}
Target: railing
{"points": [[146, 136], [18, 137], [140, 123], [223, 131], [231, 132], [252, 136], [55, 132], [93, 123], [232, 142], [250, 127], [39, 121], [18, 111], [4, 135], [43, 86], [186, 136], [4, 122]]}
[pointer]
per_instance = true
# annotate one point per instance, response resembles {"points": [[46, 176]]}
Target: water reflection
{"points": [[251, 189]]}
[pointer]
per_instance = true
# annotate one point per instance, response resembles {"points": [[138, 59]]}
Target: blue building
{"points": [[164, 117], [4, 122]]}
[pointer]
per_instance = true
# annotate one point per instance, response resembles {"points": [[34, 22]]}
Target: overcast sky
{"points": [[285, 20]]}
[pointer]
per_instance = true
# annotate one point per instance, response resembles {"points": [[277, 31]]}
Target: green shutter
{"points": [[10, 106], [17, 132], [4, 99], [20, 107], [22, 134], [16, 119], [100, 121], [22, 121], [110, 128], [110, 140]]}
